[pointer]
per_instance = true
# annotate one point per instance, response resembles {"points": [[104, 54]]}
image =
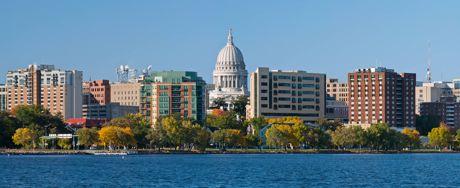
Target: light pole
{"points": [[46, 134]]}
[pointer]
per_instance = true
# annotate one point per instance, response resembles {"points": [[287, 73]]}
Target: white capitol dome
{"points": [[230, 54], [230, 74]]}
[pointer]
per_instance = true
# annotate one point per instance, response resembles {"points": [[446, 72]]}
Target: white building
{"points": [[276, 93], [230, 75]]}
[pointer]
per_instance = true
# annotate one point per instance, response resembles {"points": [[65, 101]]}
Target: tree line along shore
{"points": [[25, 130]]}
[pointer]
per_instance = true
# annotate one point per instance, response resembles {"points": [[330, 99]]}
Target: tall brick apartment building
{"points": [[59, 91], [381, 95]]}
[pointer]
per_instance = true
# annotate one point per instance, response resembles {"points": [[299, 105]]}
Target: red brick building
{"points": [[380, 95], [98, 92]]}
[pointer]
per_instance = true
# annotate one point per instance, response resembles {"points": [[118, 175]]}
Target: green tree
{"points": [[227, 121], [138, 124], [352, 136], [157, 137], [440, 137], [23, 137], [64, 143], [281, 136], [301, 132], [87, 136], [317, 138], [227, 138], [8, 126], [202, 137], [174, 130], [252, 140], [239, 105], [382, 137], [424, 124], [328, 125], [412, 138], [40, 118], [219, 103], [457, 138]]}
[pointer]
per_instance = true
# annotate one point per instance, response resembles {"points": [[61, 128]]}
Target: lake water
{"points": [[252, 170]]}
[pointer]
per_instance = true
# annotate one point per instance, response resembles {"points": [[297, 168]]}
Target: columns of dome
{"points": [[237, 81], [230, 81], [221, 81], [233, 79]]}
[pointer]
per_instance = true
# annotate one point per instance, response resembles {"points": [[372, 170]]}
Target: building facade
{"points": [[59, 91], [380, 95], [337, 90], [276, 93], [447, 109], [96, 94], [2, 97], [174, 92], [336, 110], [125, 93], [98, 91], [455, 85], [97, 103], [431, 92], [230, 76]]}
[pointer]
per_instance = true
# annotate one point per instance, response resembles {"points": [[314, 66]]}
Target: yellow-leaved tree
{"points": [[413, 137], [23, 137], [114, 136], [292, 120], [440, 137]]}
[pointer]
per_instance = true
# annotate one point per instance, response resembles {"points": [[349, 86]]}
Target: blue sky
{"points": [[332, 37]]}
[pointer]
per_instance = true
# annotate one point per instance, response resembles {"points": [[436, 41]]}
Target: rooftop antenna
{"points": [[428, 70], [378, 63]]}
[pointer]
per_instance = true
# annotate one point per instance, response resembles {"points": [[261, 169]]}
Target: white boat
{"points": [[110, 153], [116, 153]]}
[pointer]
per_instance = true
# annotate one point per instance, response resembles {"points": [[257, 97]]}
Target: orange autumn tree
{"points": [[217, 112]]}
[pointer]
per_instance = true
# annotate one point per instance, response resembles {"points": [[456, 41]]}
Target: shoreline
{"points": [[229, 152]]}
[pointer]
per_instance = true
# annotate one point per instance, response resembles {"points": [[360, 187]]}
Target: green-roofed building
{"points": [[173, 92]]}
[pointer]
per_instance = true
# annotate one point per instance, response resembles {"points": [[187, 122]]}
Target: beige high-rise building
{"points": [[337, 90], [59, 91], [431, 92], [276, 93], [125, 93]]}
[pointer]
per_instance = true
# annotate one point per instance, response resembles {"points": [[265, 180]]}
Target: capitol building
{"points": [[230, 75]]}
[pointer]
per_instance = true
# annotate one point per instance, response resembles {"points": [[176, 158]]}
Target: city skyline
{"points": [[97, 37]]}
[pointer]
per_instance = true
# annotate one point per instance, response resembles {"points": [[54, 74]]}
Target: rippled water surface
{"points": [[290, 170]]}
